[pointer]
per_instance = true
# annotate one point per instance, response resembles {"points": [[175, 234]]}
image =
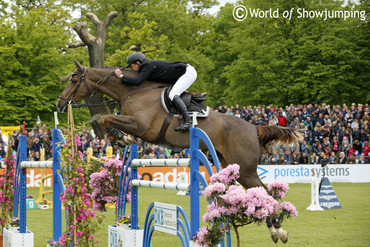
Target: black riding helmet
{"points": [[134, 57]]}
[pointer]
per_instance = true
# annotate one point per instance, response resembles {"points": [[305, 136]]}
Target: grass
{"points": [[337, 227]]}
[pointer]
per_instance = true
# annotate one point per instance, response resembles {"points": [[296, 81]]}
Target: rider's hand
{"points": [[118, 73]]}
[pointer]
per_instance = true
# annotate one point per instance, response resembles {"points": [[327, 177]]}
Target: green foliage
{"points": [[33, 56], [256, 61], [302, 60]]}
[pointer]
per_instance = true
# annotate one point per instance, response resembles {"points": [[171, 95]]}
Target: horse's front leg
{"points": [[117, 127], [276, 229]]}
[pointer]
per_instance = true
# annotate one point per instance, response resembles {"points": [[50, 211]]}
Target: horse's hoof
{"points": [[274, 234], [129, 139], [284, 237], [275, 238]]}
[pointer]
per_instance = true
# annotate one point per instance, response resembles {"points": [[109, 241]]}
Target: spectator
{"points": [[274, 158], [282, 119], [46, 145], [2, 151], [161, 152], [314, 160], [15, 140], [362, 160], [305, 148], [345, 145], [323, 158], [363, 137], [85, 144], [332, 158], [366, 149], [356, 134], [357, 147], [342, 158], [335, 145], [265, 160], [287, 150], [303, 159], [29, 141], [35, 147], [351, 159], [295, 159]]}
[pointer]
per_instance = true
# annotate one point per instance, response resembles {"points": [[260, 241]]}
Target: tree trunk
{"points": [[96, 46]]}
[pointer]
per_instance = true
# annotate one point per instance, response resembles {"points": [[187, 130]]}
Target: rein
{"points": [[91, 93], [127, 95]]}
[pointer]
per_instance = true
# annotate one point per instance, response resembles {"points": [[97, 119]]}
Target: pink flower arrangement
{"points": [[105, 185], [233, 207], [7, 190], [76, 200], [278, 189], [227, 175], [288, 209]]}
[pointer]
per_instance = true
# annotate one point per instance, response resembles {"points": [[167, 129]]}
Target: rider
{"points": [[182, 75]]}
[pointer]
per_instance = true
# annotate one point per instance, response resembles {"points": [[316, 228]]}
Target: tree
{"points": [[33, 55], [282, 61], [96, 47]]}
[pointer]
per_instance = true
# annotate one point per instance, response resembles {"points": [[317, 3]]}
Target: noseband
{"points": [[71, 98]]}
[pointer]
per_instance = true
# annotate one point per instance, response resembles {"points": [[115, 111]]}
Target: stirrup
{"points": [[183, 127]]}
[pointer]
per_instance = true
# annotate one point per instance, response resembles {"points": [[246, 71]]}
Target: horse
{"points": [[236, 141]]}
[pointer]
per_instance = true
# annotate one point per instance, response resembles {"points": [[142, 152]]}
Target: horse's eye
{"points": [[74, 81]]}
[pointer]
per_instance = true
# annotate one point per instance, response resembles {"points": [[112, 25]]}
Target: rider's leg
{"points": [[183, 83]]}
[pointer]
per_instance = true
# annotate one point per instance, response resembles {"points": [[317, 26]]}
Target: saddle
{"points": [[193, 102]]}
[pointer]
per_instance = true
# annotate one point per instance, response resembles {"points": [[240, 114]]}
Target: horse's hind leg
{"points": [[117, 125]]}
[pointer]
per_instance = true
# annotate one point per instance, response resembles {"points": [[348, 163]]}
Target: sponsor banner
{"points": [[170, 174], [304, 173], [267, 173], [34, 177]]}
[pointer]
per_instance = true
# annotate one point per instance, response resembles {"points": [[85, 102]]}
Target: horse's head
{"points": [[77, 89]]}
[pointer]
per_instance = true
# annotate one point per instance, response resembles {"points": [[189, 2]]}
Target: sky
{"points": [[215, 9]]}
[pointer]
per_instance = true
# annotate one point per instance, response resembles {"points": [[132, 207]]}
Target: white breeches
{"points": [[184, 82]]}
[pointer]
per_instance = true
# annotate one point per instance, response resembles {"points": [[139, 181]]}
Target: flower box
{"points": [[43, 206], [124, 226], [13, 228], [18, 239]]}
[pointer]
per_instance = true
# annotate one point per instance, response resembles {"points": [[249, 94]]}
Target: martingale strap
{"points": [[166, 123]]}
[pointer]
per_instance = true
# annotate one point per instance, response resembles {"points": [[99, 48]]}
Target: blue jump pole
{"points": [[57, 185], [194, 184], [23, 186], [134, 192]]}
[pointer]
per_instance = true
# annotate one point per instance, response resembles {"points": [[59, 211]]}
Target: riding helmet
{"points": [[134, 57]]}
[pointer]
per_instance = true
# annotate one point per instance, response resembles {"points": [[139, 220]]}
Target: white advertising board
{"points": [[304, 173], [165, 218]]}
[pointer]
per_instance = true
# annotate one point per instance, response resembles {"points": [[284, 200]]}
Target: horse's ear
{"points": [[79, 67]]}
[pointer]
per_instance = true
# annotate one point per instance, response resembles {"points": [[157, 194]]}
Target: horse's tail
{"points": [[275, 134]]}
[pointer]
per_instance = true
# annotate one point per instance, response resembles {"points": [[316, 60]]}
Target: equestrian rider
{"points": [[182, 75]]}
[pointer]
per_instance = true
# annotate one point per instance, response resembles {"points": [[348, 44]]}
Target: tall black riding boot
{"points": [[181, 107]]}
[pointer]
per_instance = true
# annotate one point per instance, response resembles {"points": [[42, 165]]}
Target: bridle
{"points": [[71, 98]]}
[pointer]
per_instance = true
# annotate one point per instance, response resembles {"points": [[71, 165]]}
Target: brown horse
{"points": [[142, 115]]}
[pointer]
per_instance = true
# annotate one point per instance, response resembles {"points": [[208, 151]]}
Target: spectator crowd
{"points": [[332, 135]]}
